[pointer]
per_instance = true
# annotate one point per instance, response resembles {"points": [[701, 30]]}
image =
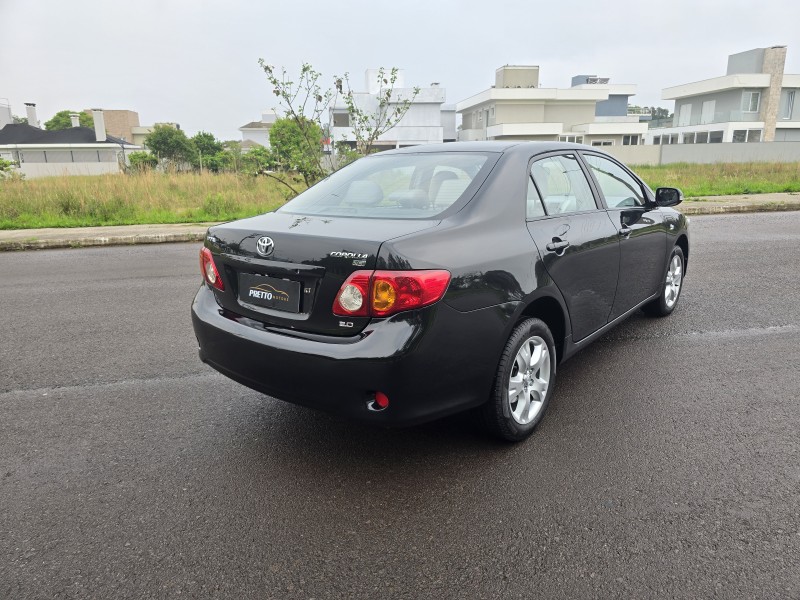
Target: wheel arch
{"points": [[549, 310], [683, 242]]}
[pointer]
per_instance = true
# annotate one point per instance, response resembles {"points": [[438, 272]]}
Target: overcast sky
{"points": [[195, 62]]}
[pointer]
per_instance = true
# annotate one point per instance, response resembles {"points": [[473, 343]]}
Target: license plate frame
{"points": [[270, 292]]}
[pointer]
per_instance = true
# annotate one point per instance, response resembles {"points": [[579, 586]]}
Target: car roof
{"points": [[523, 147]]}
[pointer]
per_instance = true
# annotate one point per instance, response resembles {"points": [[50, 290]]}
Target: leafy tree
{"points": [[258, 161], [17, 119], [233, 155], [61, 120], [288, 138], [657, 112], [142, 161], [206, 143], [171, 145]]}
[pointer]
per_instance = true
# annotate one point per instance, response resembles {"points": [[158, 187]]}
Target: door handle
{"points": [[557, 245], [625, 231]]}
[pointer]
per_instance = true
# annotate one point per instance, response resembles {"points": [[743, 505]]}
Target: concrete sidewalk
{"points": [[77, 237]]}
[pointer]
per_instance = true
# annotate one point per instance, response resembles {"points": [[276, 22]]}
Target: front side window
{"points": [[395, 186], [619, 187], [562, 185]]}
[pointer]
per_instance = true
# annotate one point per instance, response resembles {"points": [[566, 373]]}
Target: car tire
{"points": [[670, 288], [524, 382]]}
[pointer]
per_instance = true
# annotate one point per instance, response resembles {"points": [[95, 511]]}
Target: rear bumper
{"points": [[429, 362]]}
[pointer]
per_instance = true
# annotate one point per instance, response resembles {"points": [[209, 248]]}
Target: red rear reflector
{"points": [[384, 293], [381, 400], [209, 270]]}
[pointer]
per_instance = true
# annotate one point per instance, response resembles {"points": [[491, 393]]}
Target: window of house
{"points": [[746, 135], [715, 137], [753, 135], [575, 139], [630, 140], [701, 137], [688, 138], [673, 139], [341, 119], [619, 188], [491, 111], [685, 115], [602, 142], [707, 114], [751, 101], [789, 106], [562, 185], [657, 140]]}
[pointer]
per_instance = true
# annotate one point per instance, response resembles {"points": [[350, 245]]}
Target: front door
{"points": [[641, 232], [578, 244]]}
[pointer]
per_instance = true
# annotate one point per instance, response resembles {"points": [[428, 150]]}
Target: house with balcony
{"points": [[753, 102], [428, 119], [592, 111]]}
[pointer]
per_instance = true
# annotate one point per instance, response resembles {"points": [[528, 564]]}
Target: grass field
{"points": [[194, 198], [725, 178], [136, 199]]}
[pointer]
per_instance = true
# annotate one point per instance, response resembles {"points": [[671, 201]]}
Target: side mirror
{"points": [[667, 196]]}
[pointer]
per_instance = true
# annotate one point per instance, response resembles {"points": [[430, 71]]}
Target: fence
{"points": [[707, 153]]}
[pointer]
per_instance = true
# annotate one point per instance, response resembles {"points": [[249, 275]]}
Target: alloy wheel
{"points": [[673, 284], [529, 380]]}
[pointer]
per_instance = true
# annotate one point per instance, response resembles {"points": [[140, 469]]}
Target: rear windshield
{"points": [[396, 186]]}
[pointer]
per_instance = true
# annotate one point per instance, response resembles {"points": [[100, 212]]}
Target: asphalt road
{"points": [[668, 465]]}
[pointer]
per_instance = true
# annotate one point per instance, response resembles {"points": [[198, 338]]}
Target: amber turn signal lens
{"points": [[383, 295]]}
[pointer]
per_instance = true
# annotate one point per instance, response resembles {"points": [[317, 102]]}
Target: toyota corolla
{"points": [[420, 282]]}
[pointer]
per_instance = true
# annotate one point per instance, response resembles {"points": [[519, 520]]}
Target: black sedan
{"points": [[416, 283]]}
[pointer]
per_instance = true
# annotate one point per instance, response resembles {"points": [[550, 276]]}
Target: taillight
{"points": [[384, 293], [209, 270]]}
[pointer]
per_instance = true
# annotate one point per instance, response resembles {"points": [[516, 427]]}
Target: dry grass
{"points": [[193, 198], [724, 179], [136, 199]]}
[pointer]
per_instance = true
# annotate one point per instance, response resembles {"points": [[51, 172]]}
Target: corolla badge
{"points": [[265, 246]]}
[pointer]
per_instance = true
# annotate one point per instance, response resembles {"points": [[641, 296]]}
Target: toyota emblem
{"points": [[265, 246]]}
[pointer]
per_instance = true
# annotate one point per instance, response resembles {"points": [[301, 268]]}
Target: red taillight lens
{"points": [[209, 270], [384, 293]]}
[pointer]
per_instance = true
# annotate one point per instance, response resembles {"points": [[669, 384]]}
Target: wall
{"points": [[749, 61], [517, 113], [708, 153], [572, 113], [615, 106], [34, 170], [636, 155]]}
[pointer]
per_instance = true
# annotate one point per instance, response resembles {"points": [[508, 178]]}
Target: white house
{"points": [[755, 101], [427, 121], [258, 131]]}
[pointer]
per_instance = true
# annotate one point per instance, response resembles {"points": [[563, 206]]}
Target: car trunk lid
{"points": [[291, 279]]}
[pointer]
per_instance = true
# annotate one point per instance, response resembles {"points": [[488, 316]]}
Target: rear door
{"points": [[640, 228], [578, 243]]}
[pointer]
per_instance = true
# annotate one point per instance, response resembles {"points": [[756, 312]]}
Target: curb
{"points": [[745, 208], [120, 240]]}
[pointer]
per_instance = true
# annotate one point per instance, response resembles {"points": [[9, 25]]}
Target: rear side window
{"points": [[396, 186], [562, 185], [619, 188], [534, 204]]}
